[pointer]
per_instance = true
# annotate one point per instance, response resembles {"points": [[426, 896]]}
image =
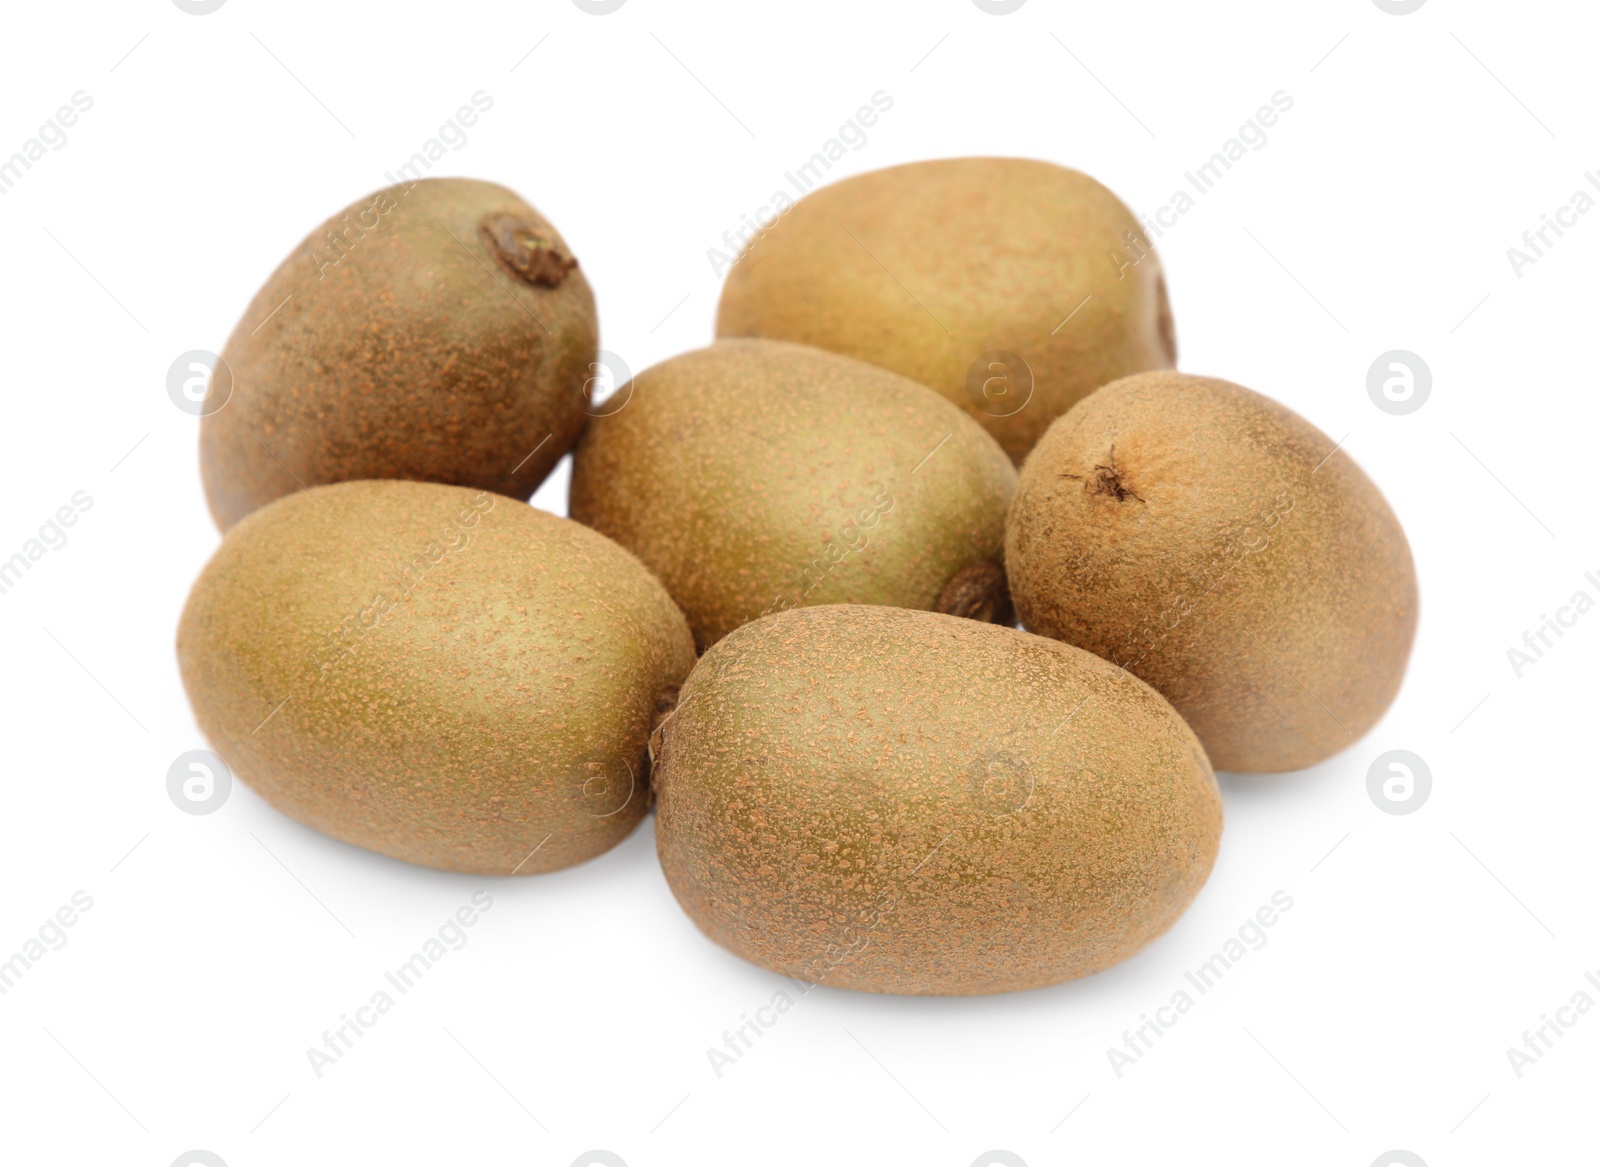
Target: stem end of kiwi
{"points": [[978, 592]]}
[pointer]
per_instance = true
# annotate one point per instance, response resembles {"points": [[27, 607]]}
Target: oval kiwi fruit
{"points": [[904, 802], [441, 675], [1222, 548], [437, 331], [755, 476], [1012, 286]]}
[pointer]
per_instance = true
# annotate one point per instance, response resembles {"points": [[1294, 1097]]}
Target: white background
{"points": [[1377, 216]]}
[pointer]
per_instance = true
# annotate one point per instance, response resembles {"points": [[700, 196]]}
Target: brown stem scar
{"points": [[1107, 480], [523, 252]]}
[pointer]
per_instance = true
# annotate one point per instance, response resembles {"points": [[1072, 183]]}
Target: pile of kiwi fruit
{"points": [[784, 612]]}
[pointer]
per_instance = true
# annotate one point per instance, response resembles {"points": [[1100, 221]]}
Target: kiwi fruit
{"points": [[437, 330], [905, 802], [755, 476], [438, 674], [1012, 286], [1225, 550]]}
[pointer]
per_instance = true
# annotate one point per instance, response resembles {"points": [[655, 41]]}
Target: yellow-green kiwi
{"points": [[438, 674], [437, 330], [755, 476], [1222, 548], [905, 802], [1014, 287]]}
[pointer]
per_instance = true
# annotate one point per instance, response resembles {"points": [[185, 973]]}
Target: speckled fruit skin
{"points": [[1217, 545], [754, 476], [417, 355], [442, 675], [925, 267], [905, 802]]}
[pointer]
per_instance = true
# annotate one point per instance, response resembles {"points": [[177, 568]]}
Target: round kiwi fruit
{"points": [[1222, 548], [905, 802], [437, 331], [441, 675], [755, 476], [1012, 286]]}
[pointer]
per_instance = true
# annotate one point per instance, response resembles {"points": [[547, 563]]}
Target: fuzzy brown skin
{"points": [[923, 268], [426, 352], [904, 802], [442, 675], [1213, 543], [755, 476]]}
